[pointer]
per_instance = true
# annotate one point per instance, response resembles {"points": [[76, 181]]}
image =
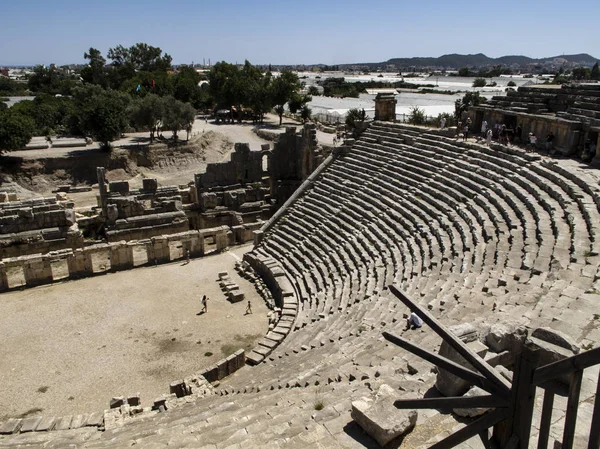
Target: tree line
{"points": [[139, 90]]}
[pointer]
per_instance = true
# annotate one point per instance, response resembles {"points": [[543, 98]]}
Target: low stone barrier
{"points": [[38, 269], [285, 298]]}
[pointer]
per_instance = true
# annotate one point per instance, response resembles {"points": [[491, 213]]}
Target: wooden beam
{"points": [[481, 365], [464, 373], [473, 429], [523, 398], [567, 366], [487, 401], [556, 387], [594, 442], [571, 415], [546, 420]]}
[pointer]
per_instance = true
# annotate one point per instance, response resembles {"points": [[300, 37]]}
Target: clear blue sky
{"points": [[285, 32]]}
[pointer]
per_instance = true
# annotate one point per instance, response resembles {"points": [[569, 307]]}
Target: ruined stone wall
{"points": [[294, 157], [38, 269], [139, 214], [245, 167], [31, 226]]}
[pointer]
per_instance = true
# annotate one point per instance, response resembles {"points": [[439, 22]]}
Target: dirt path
{"points": [[69, 347]]}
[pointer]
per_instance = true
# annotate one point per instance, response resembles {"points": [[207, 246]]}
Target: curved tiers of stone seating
{"points": [[456, 223]]}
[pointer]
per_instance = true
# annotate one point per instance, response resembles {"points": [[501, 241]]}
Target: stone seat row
{"points": [[370, 195], [576, 196]]}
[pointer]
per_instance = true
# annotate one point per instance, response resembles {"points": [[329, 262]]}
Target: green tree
{"points": [[464, 71], [147, 113], [185, 84], [49, 114], [313, 90], [16, 130], [258, 96], [305, 113], [595, 73], [355, 116], [282, 89], [511, 84], [140, 56], [470, 99], [11, 87], [479, 82], [177, 115], [416, 116], [581, 73], [297, 101], [224, 85], [50, 80], [101, 113], [95, 71]]}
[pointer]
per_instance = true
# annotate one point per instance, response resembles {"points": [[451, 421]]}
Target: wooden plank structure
{"points": [[512, 404]]}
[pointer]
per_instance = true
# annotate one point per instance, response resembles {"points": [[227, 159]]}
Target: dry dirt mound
{"points": [[169, 163], [202, 148]]}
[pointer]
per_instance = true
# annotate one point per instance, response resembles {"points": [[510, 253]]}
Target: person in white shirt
{"points": [[532, 141], [483, 128], [414, 321]]}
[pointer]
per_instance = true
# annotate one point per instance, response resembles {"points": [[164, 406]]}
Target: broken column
{"points": [[101, 175]]}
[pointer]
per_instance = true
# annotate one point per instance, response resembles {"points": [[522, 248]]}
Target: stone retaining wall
{"points": [[38, 269]]}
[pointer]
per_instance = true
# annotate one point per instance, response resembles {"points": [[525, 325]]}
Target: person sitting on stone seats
{"points": [[414, 321]]}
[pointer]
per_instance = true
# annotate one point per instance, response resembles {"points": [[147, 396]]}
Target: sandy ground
{"points": [[69, 347]]}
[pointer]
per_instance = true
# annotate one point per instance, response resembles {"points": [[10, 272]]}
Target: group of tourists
{"points": [[505, 135]]}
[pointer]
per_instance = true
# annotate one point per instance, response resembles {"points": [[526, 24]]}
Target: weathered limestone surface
{"points": [[380, 419]]}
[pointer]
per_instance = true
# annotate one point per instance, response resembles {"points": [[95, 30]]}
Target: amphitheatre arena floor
{"points": [[69, 347]]}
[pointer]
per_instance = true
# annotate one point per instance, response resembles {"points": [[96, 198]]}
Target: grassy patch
{"points": [[43, 389], [208, 354]]}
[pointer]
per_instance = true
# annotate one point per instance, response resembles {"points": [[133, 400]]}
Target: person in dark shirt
{"points": [[549, 140]]}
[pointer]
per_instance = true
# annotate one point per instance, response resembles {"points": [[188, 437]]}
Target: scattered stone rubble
{"points": [[230, 288]]}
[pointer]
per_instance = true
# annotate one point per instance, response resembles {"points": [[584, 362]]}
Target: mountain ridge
{"points": [[457, 61]]}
